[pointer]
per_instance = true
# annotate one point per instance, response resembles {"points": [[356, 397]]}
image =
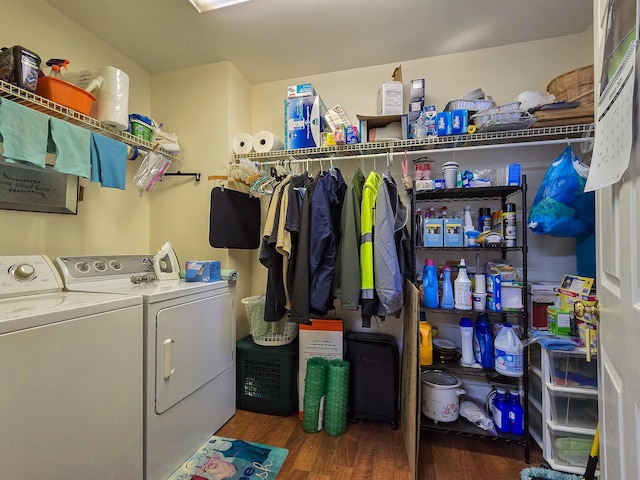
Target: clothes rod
{"points": [[183, 174]]}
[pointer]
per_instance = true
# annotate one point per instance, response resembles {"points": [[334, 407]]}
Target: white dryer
{"points": [[189, 352], [70, 377]]}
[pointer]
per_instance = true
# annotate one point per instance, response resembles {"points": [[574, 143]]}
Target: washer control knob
{"points": [[23, 272], [100, 266], [82, 267]]}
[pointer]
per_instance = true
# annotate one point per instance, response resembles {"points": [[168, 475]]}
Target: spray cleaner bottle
{"points": [[56, 65]]}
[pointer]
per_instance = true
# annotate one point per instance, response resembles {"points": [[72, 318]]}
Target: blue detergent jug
{"points": [[430, 284], [483, 342]]}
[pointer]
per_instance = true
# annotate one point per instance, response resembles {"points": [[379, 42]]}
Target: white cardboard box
{"points": [[324, 339]]}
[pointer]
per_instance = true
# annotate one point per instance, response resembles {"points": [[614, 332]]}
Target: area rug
{"points": [[227, 458]]}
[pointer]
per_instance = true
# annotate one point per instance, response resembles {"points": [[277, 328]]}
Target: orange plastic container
{"points": [[65, 94]]}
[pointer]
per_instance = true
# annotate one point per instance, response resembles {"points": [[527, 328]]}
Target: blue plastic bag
{"points": [[561, 207]]}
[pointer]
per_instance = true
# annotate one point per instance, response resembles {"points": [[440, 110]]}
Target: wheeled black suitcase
{"points": [[374, 378]]}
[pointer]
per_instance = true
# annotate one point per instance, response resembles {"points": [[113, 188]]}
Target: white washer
{"points": [[189, 351], [70, 377]]}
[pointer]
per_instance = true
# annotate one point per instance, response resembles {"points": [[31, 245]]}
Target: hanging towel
{"points": [[108, 161], [72, 146], [24, 133]]}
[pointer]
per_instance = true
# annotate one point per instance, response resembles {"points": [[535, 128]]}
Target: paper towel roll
{"points": [[229, 274], [242, 143], [112, 98], [266, 141]]}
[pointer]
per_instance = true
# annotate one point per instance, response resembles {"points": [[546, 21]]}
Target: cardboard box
{"points": [[305, 122], [416, 90], [335, 117], [511, 296], [453, 234], [559, 321], [390, 98], [509, 175], [202, 271], [443, 123], [324, 339], [368, 122], [494, 293], [575, 288], [433, 232], [459, 122], [302, 90]]}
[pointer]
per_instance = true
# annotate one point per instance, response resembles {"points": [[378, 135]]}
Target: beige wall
{"points": [[108, 220]]}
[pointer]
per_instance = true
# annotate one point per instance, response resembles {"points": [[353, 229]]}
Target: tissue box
{"points": [[302, 90], [459, 121], [433, 232], [305, 122], [202, 271], [444, 123]]}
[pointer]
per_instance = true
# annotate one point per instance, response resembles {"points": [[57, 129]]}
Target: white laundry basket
{"points": [[270, 339]]}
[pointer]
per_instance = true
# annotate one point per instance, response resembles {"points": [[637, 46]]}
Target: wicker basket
{"points": [[574, 86], [271, 339]]}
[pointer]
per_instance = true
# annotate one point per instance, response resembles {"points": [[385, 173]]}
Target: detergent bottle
{"points": [[483, 342], [426, 343], [430, 284], [509, 358], [56, 65], [500, 410], [447, 290], [462, 288], [516, 413]]}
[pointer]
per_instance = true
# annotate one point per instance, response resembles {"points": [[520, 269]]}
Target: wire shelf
{"points": [[556, 134], [41, 104]]}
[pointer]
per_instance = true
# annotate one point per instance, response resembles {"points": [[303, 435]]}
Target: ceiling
{"points": [[270, 40]]}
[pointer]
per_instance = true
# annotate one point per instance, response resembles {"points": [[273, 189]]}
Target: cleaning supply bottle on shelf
{"points": [[430, 284], [516, 413], [467, 224], [466, 335], [56, 65], [462, 288], [447, 301], [426, 343], [500, 409], [509, 358], [483, 342]]}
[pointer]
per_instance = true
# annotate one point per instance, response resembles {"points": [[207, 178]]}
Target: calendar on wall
{"points": [[614, 110]]}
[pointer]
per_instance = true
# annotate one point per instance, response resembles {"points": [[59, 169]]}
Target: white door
{"points": [[618, 289]]}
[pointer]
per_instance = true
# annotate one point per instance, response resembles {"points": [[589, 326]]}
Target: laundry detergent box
{"points": [[202, 271], [559, 321], [453, 232], [305, 121], [322, 338], [433, 232]]}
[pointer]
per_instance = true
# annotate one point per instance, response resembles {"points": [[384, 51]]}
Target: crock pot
{"points": [[440, 392]]}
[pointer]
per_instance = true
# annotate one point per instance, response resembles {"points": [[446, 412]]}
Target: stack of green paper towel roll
{"points": [[335, 417], [314, 393]]}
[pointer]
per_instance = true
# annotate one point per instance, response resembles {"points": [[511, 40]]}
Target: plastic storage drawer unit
{"points": [[573, 409], [267, 378], [571, 369], [570, 449]]}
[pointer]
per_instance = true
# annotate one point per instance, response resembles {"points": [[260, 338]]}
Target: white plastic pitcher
{"points": [[509, 358]]}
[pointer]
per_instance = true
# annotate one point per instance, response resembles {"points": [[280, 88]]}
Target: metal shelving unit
{"points": [[24, 97], [499, 194], [510, 138]]}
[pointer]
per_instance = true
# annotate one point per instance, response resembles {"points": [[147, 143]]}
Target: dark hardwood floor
{"points": [[373, 450]]}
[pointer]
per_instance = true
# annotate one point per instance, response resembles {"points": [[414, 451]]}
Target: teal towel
{"points": [[108, 161], [24, 133], [72, 146]]}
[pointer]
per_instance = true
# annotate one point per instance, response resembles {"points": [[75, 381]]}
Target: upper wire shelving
{"points": [[530, 136], [29, 99]]}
